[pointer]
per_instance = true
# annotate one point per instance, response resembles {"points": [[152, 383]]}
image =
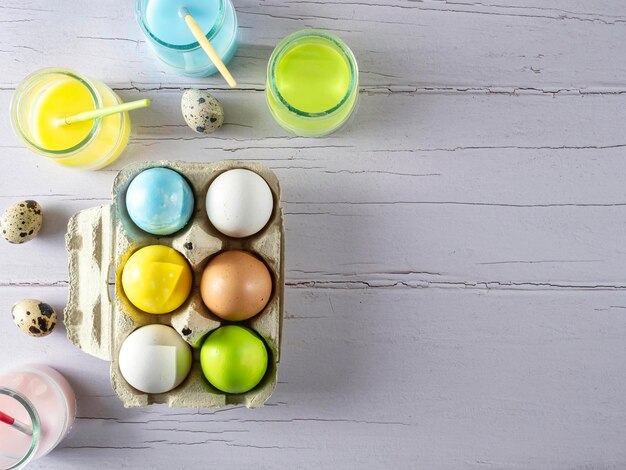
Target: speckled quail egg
{"points": [[202, 112], [33, 317], [21, 222]]}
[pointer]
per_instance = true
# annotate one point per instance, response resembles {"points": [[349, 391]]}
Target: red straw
{"points": [[6, 418], [22, 427]]}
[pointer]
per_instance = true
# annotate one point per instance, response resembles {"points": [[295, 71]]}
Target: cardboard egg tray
{"points": [[99, 317]]}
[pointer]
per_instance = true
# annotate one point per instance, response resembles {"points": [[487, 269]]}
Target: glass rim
{"points": [[286, 44], [217, 25], [20, 92], [35, 423]]}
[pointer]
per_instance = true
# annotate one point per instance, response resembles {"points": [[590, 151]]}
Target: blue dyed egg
{"points": [[159, 201]]}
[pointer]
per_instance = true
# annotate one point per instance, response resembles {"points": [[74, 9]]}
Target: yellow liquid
{"points": [[313, 77], [60, 96], [64, 98], [312, 83]]}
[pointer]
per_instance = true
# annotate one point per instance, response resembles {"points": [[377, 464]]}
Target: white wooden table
{"points": [[456, 257]]}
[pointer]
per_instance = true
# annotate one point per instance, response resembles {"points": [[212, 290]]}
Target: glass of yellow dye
{"points": [[49, 95], [312, 83]]}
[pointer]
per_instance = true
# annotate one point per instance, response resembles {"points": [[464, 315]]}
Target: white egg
{"points": [[239, 203], [155, 359]]}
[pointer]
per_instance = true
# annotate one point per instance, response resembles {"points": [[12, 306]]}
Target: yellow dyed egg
{"points": [[157, 279]]}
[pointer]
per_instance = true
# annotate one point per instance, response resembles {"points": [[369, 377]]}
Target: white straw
{"points": [[23, 427]]}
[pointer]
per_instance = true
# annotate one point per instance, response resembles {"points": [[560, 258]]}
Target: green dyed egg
{"points": [[234, 359]]}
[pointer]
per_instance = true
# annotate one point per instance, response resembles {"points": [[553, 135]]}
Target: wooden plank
{"points": [[384, 378], [459, 195], [413, 244], [405, 44]]}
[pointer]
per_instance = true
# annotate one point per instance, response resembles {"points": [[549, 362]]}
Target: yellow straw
{"points": [[96, 113], [206, 45]]}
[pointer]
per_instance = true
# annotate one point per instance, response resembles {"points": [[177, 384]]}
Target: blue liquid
{"points": [[173, 42], [165, 23]]}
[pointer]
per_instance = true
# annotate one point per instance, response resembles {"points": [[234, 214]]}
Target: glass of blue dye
{"points": [[174, 44]]}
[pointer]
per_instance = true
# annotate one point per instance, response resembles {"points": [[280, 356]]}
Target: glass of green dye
{"points": [[312, 83]]}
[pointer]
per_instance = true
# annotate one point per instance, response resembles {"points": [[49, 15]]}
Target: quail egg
{"points": [[21, 222], [202, 112], [33, 317]]}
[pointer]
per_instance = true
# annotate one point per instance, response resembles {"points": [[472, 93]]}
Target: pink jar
{"points": [[40, 397]]}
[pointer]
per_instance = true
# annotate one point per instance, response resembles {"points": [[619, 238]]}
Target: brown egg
{"points": [[236, 285]]}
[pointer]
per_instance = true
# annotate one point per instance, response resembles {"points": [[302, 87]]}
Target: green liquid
{"points": [[313, 77]]}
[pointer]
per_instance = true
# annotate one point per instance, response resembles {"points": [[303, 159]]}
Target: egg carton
{"points": [[98, 316]]}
